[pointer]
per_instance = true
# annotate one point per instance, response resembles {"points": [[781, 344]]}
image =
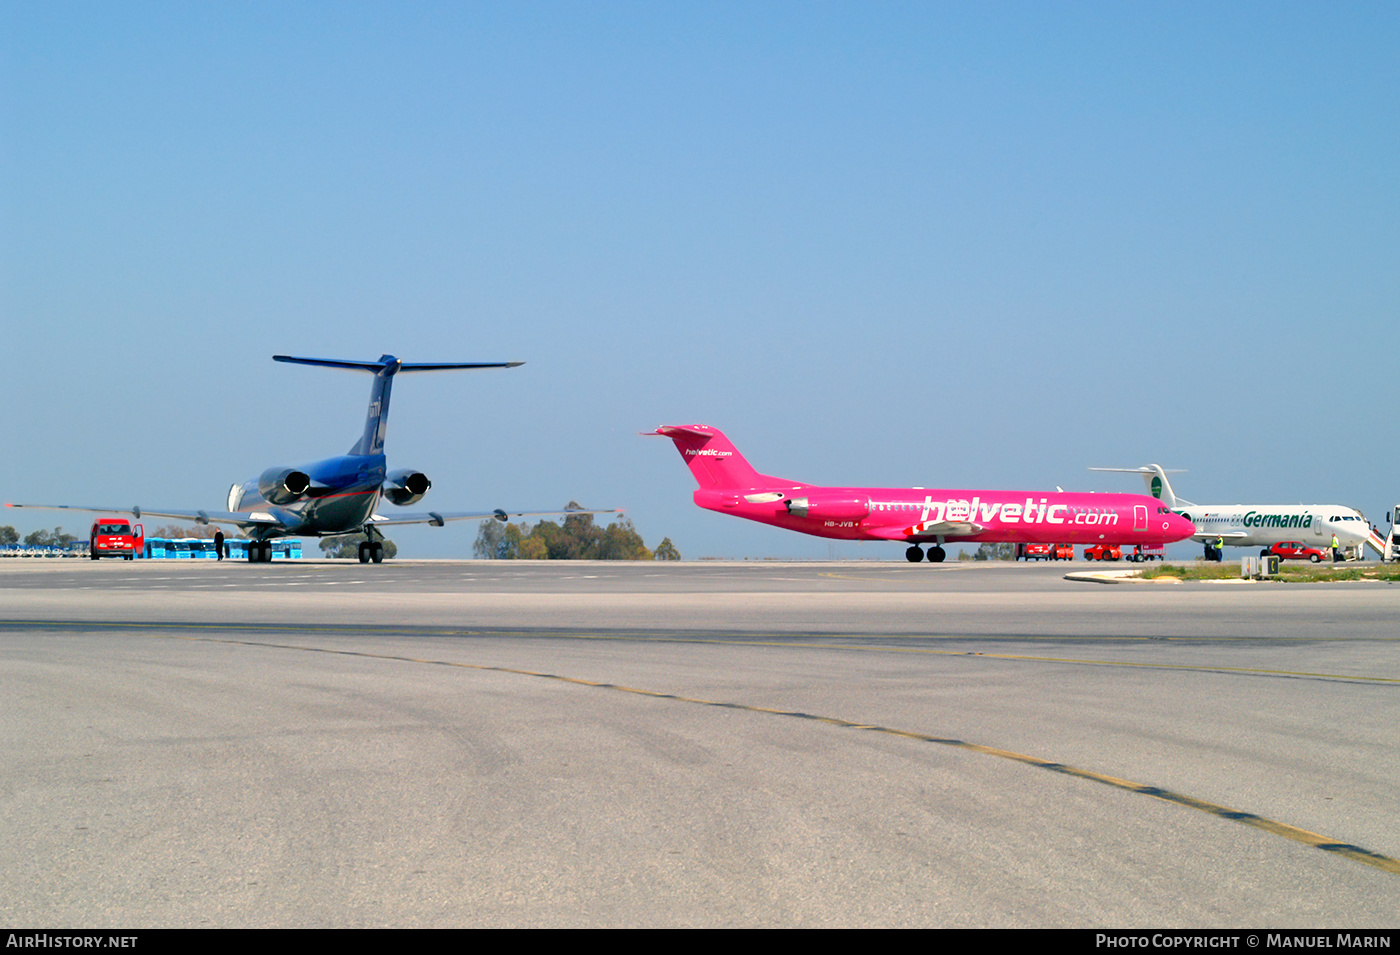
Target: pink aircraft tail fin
{"points": [[712, 459]]}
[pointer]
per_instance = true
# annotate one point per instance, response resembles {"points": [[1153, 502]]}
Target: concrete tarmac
{"points": [[718, 744]]}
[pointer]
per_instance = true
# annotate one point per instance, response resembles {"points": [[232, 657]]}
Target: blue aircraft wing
{"points": [[255, 519], [438, 518]]}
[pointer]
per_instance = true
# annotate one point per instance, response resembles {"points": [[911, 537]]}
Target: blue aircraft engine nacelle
{"points": [[406, 487], [283, 485]]}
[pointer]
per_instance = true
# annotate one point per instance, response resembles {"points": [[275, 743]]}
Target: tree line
{"points": [[577, 538], [56, 537]]}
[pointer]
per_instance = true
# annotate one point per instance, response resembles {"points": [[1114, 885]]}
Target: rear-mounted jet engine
{"points": [[283, 485], [829, 508], [406, 487]]}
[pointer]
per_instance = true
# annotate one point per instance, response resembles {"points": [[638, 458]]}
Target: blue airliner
{"points": [[337, 495]]}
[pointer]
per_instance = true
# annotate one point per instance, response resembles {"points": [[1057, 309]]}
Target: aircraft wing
{"points": [[1223, 535], [928, 529], [254, 519], [438, 518]]}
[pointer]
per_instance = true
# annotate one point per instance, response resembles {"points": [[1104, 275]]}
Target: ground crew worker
{"points": [[1336, 548]]}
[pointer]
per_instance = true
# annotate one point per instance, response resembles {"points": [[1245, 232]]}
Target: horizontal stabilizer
{"points": [[1141, 470], [384, 370], [700, 433], [1155, 477], [389, 361]]}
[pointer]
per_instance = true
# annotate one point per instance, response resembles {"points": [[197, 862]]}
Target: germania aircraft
{"points": [[916, 515], [1260, 525], [337, 495]]}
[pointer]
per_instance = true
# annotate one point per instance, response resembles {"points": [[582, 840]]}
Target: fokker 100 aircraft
{"points": [[337, 495], [916, 516], [1260, 525]]}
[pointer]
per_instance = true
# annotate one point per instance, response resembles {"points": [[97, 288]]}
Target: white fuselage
{"points": [[1262, 525]]}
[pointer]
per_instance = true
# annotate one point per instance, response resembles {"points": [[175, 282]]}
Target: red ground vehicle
{"points": [[1148, 552], [1103, 552], [116, 537], [1295, 550], [1045, 552]]}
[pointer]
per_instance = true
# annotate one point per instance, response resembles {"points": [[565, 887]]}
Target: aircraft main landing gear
{"points": [[371, 549], [936, 554], [914, 555]]}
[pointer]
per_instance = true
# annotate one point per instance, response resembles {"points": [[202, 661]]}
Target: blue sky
{"points": [[941, 244]]}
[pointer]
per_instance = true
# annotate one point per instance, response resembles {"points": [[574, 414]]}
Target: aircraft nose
{"points": [[1356, 531], [1182, 526]]}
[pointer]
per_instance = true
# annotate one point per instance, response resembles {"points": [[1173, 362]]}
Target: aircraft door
{"points": [[1139, 517]]}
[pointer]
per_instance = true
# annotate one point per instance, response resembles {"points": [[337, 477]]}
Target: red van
{"points": [[116, 537]]}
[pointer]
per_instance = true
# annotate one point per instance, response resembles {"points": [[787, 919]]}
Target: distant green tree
{"points": [[498, 541], [666, 550], [620, 541], [490, 539], [546, 535], [8, 535], [531, 548], [348, 545], [995, 552], [54, 537], [577, 537], [580, 538]]}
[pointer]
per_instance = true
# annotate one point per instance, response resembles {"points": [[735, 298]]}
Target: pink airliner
{"points": [[916, 515]]}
